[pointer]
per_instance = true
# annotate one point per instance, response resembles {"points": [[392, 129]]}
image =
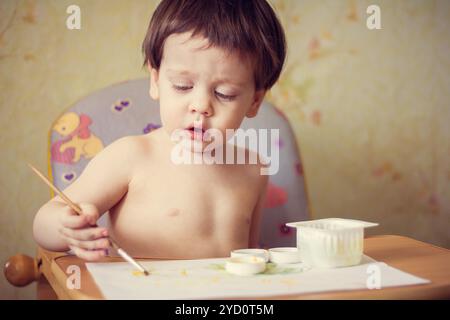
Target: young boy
{"points": [[211, 62]]}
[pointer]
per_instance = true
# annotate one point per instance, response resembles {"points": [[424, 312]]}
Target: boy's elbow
{"points": [[38, 235], [44, 236], [37, 228]]}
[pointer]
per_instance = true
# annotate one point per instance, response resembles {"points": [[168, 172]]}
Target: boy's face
{"points": [[195, 84]]}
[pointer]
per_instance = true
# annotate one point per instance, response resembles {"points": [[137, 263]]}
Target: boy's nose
{"points": [[202, 106], [204, 111]]}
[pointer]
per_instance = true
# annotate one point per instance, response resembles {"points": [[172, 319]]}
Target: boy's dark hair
{"points": [[249, 27]]}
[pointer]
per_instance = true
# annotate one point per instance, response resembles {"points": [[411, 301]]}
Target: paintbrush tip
{"points": [[32, 167], [146, 273]]}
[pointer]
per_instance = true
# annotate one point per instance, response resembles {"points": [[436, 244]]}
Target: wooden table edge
{"points": [[56, 277]]}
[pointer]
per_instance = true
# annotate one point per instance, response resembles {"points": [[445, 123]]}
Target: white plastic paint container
{"points": [[331, 243], [285, 255], [250, 252], [246, 265]]}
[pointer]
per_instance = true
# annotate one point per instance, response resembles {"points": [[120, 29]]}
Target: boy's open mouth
{"points": [[196, 133]]}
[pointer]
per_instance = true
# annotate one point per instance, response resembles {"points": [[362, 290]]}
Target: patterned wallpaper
{"points": [[369, 108]]}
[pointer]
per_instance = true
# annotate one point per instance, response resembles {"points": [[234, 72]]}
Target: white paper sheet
{"points": [[207, 279]]}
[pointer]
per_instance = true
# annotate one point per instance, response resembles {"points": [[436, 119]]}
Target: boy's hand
{"points": [[81, 233]]}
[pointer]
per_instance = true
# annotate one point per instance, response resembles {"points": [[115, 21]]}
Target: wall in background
{"points": [[370, 108]]}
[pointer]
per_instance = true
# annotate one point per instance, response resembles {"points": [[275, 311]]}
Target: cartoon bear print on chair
{"points": [[77, 139]]}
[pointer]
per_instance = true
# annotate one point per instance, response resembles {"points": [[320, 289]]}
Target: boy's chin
{"points": [[195, 146], [201, 146], [196, 143]]}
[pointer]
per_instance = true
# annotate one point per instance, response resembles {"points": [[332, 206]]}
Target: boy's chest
{"points": [[183, 201]]}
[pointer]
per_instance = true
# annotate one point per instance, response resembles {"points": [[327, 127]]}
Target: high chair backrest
{"points": [[124, 109]]}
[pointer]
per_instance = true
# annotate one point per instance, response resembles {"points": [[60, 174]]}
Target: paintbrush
{"points": [[77, 209]]}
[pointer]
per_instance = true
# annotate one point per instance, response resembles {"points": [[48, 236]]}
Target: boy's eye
{"points": [[224, 96], [181, 87], [220, 95]]}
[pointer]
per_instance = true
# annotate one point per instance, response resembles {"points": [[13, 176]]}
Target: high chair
{"points": [[124, 109]]}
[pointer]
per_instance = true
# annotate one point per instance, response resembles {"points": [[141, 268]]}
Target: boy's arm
{"points": [[103, 183], [255, 225]]}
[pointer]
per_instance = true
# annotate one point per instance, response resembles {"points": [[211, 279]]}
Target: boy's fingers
{"points": [[84, 234], [69, 220], [90, 211], [88, 255], [88, 245]]}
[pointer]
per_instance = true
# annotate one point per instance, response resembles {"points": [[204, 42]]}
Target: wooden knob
{"points": [[20, 270]]}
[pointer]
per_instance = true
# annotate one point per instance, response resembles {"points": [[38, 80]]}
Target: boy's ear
{"points": [[154, 82], [257, 100]]}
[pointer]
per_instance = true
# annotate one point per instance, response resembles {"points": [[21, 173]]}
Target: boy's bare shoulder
{"points": [[126, 150], [131, 144], [126, 147]]}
